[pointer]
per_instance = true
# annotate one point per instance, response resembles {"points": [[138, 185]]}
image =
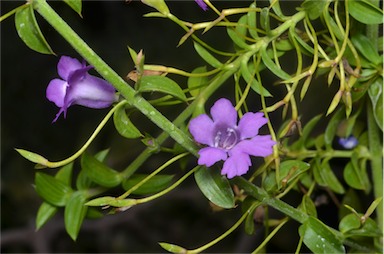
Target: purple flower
{"points": [[77, 87], [228, 141], [348, 143], [202, 4]]}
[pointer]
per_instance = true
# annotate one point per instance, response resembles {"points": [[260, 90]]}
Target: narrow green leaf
{"points": [[325, 177], [331, 129], [99, 172], [354, 177], [375, 92], [102, 155], [373, 206], [75, 5], [238, 35], [264, 19], [272, 66], [308, 206], [155, 184], [249, 78], [366, 48], [123, 124], [102, 201], [33, 157], [29, 31], [111, 201], [215, 187], [74, 214], [307, 130], [252, 22], [276, 8], [365, 12], [52, 190], [196, 83], [319, 238], [314, 8], [45, 213], [208, 57], [172, 248], [161, 84]]}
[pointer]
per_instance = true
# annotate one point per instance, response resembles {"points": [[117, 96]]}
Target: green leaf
{"points": [[65, 174], [331, 129], [375, 92], [238, 34], [252, 22], [172, 248], [208, 57], [289, 171], [215, 187], [154, 184], [319, 238], [355, 177], [99, 172], [74, 214], [196, 83], [111, 201], [366, 48], [45, 213], [75, 5], [272, 66], [124, 125], [264, 19], [314, 8], [365, 12], [249, 78], [349, 222], [369, 228], [308, 206], [52, 190], [351, 199], [161, 84], [33, 157], [301, 142], [276, 8], [29, 31], [325, 177]]}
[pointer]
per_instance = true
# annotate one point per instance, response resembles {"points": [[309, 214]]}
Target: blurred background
{"points": [[183, 217]]}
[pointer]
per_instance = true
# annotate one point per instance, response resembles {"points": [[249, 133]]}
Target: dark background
{"points": [[183, 217]]}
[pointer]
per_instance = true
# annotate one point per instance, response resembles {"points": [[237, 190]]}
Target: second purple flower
{"points": [[77, 87], [228, 141]]}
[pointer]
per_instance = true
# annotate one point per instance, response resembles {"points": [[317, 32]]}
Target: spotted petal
{"points": [[224, 112], [211, 155], [201, 129], [237, 164], [250, 124]]}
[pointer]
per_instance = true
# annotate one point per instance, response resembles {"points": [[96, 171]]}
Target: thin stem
{"points": [[10, 13], [89, 141]]}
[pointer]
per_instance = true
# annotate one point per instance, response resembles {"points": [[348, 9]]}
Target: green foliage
{"points": [[335, 54]]}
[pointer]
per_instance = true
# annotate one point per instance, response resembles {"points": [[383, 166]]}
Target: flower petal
{"points": [[224, 112], [56, 91], [237, 164], [211, 155], [201, 128], [89, 91], [258, 146], [202, 4], [250, 124], [67, 65]]}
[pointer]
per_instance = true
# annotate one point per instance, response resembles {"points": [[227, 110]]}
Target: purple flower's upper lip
{"points": [[77, 87], [228, 141]]}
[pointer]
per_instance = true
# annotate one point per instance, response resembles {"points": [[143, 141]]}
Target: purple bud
{"points": [[77, 87], [202, 4], [348, 143]]}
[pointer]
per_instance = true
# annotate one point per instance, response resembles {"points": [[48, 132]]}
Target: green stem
{"points": [[110, 75], [10, 13], [376, 160]]}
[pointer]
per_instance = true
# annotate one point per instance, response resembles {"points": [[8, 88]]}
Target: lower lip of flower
{"points": [[225, 137]]}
